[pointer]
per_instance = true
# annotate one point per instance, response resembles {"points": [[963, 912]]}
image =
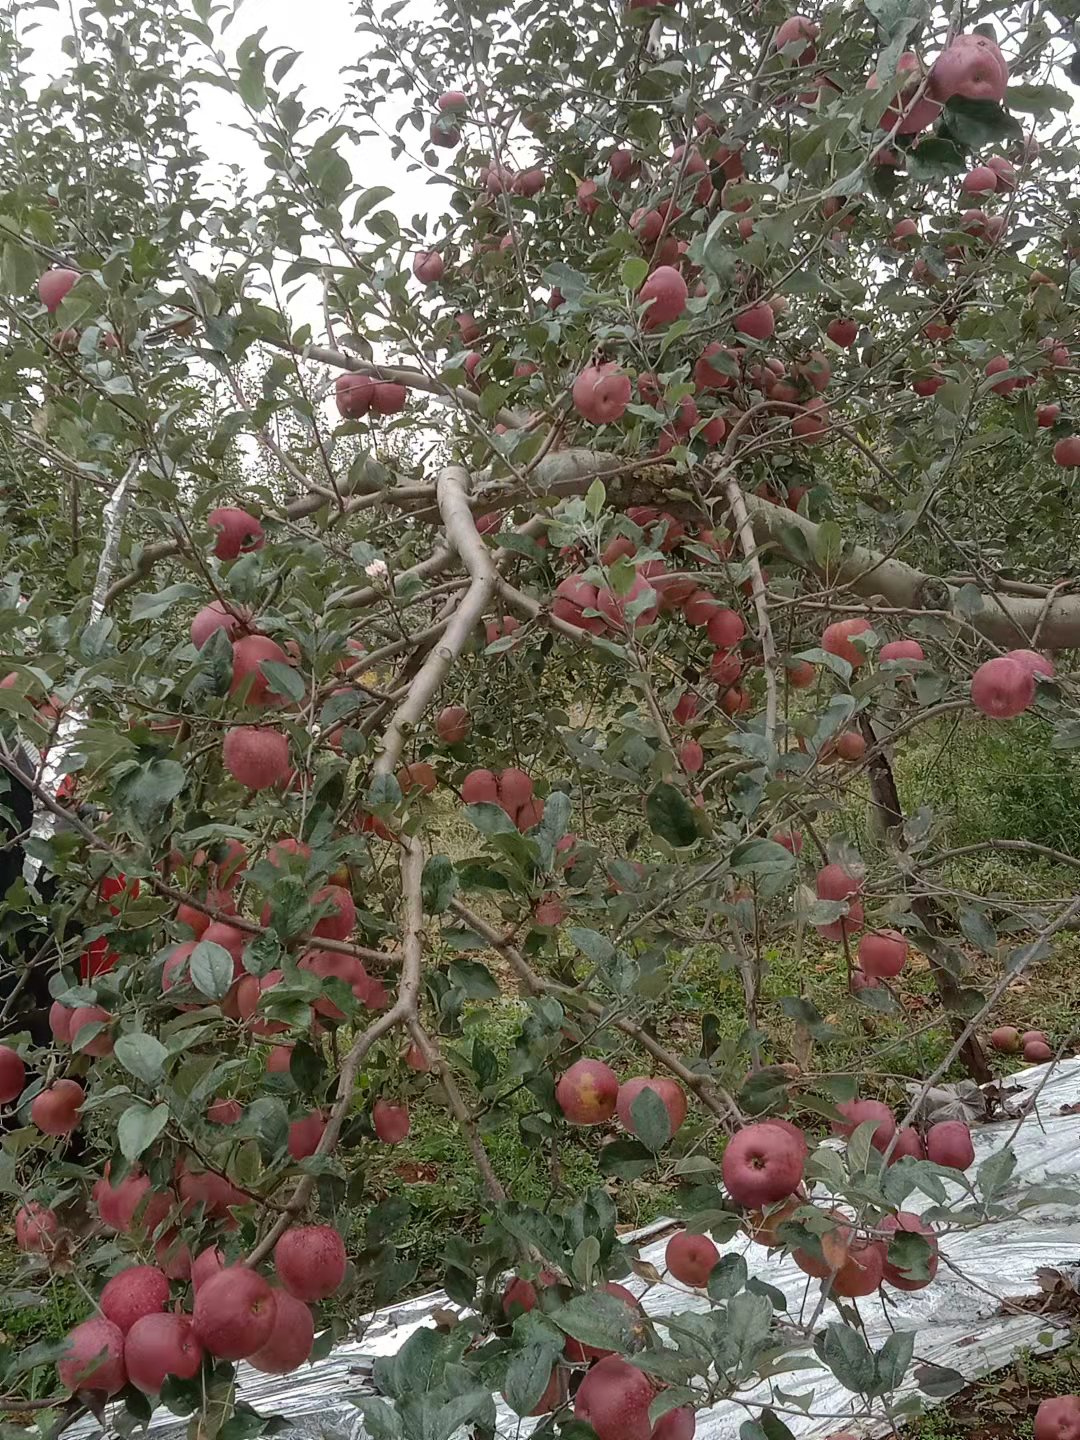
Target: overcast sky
{"points": [[324, 34]]}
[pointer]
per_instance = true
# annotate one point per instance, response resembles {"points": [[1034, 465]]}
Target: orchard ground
{"points": [[993, 785]]}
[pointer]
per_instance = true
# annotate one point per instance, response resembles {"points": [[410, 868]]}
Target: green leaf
{"points": [[652, 1123], [936, 158], [761, 857], [139, 1127], [628, 1159], [978, 123], [142, 1056], [490, 819], [727, 1277], [670, 816], [527, 1378], [938, 1381], [633, 271], [283, 680], [846, 1354], [1037, 99], [149, 790], [152, 607], [978, 929], [381, 1420], [438, 884], [211, 969], [827, 544], [595, 498], [892, 1361], [995, 1172], [601, 1320]]}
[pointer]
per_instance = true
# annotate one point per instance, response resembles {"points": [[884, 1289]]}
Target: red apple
{"points": [[949, 1143], [673, 1096], [234, 1313], [390, 1121], [238, 533], [158, 1346], [137, 1291], [1002, 688], [763, 1163], [690, 1258], [255, 756], [12, 1074], [587, 1093], [94, 1358], [310, 1261]]}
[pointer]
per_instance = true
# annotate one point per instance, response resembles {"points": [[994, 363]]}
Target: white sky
{"points": [[323, 33]]}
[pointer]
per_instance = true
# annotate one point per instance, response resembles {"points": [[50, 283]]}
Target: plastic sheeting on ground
{"points": [[958, 1325]]}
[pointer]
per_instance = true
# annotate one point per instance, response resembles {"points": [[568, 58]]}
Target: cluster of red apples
{"points": [[146, 1329]]}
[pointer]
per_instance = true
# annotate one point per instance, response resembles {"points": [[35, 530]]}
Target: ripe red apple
{"points": [[428, 266], [81, 1019], [1058, 1418], [883, 953], [1037, 1052], [453, 724], [417, 776], [587, 1093], [1067, 452], [949, 1143], [1002, 688], [691, 757], [12, 1074], [901, 650], [601, 393], [353, 394], [758, 322], [672, 1094], [233, 1314], [480, 787], [842, 332], [665, 293], [794, 29], [790, 838], [255, 756], [310, 1261], [905, 1221], [390, 1121], [1006, 1039], [291, 1337], [834, 882], [206, 1265], [908, 1142], [971, 66], [614, 607], [54, 285], [55, 1110], [800, 674], [850, 745], [94, 1358], [837, 638], [158, 1346], [614, 1398], [139, 1290], [858, 1112], [388, 397], [224, 1112], [36, 1228], [690, 1258], [216, 617], [979, 181], [763, 1163], [60, 1023], [238, 533], [725, 628], [862, 1272], [572, 597], [997, 366], [1046, 415], [305, 1134], [248, 654]]}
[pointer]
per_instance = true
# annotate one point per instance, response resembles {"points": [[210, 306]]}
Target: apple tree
{"points": [[412, 619]]}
